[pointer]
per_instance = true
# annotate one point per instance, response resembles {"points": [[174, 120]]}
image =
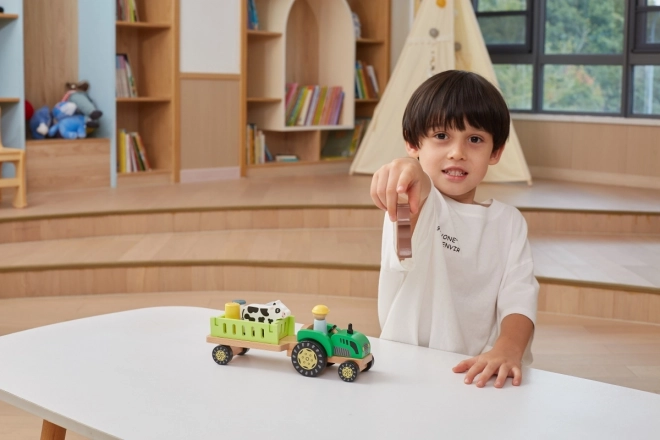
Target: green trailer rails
{"points": [[311, 351]]}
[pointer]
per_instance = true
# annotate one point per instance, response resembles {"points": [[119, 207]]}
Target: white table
{"points": [[148, 374]]}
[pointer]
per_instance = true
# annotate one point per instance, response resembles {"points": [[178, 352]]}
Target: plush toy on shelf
{"points": [[77, 94], [40, 123], [67, 124]]}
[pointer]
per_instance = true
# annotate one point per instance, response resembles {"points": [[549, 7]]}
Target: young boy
{"points": [[469, 287]]}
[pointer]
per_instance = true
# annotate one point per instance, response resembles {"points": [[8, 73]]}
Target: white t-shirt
{"points": [[471, 266]]}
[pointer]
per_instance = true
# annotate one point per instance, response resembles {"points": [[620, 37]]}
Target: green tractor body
{"points": [[345, 343]]}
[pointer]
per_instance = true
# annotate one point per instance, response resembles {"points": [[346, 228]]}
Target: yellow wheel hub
{"points": [[307, 359], [221, 355], [347, 372]]}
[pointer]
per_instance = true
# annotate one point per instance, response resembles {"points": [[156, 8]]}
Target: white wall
{"points": [[210, 36]]}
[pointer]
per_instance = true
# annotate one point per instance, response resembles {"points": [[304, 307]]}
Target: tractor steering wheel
{"points": [[332, 328]]}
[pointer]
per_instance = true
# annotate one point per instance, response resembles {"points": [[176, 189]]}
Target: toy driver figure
{"points": [[320, 323]]}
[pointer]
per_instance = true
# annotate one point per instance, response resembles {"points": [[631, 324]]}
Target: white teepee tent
{"points": [[445, 35]]}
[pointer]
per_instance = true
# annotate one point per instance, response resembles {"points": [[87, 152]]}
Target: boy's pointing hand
{"points": [[401, 176]]}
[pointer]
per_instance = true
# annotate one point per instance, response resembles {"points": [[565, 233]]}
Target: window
{"points": [[599, 57]]}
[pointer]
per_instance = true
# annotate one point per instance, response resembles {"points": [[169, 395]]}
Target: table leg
{"points": [[51, 431]]}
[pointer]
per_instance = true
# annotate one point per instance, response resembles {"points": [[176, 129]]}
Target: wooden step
{"points": [[605, 276], [80, 224]]}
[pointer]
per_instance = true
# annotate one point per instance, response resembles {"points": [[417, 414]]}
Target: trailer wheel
{"points": [[348, 371], [222, 354], [309, 358], [370, 364], [245, 350]]}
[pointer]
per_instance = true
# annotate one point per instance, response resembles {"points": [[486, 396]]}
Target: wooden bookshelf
{"points": [[10, 100], [8, 16], [310, 42], [152, 46]]}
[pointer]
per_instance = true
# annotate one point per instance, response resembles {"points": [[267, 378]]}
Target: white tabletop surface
{"points": [[148, 374]]}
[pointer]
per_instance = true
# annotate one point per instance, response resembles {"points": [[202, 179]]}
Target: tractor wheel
{"points": [[370, 364], [222, 354], [309, 358], [348, 371], [245, 350]]}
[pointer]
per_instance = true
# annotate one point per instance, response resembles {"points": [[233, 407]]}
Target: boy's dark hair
{"points": [[449, 98]]}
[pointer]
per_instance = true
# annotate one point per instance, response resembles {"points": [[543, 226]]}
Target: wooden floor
{"points": [[609, 351]]}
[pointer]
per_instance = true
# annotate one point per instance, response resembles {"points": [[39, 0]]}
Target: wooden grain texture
{"points": [[50, 431], [620, 150], [64, 165], [50, 30], [209, 123]]}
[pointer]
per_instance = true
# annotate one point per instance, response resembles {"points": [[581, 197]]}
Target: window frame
{"points": [[632, 55], [528, 13]]}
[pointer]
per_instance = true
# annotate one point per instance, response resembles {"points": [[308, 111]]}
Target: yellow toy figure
{"points": [[320, 323]]}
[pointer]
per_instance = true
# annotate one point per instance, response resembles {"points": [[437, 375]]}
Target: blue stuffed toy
{"points": [[67, 124], [40, 123]]}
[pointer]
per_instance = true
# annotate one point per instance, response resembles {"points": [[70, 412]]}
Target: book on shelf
{"points": [[127, 11], [309, 105], [131, 153], [257, 150], [124, 79], [252, 16], [366, 85], [343, 144]]}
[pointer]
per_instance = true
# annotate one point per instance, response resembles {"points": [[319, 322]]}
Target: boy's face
{"points": [[456, 161]]}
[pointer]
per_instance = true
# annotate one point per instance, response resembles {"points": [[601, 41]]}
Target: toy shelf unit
{"points": [[299, 52], [146, 91]]}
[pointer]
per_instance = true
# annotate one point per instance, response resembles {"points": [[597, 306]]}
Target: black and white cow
{"points": [[266, 313]]}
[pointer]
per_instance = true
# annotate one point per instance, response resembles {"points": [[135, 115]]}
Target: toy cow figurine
{"points": [[266, 313]]}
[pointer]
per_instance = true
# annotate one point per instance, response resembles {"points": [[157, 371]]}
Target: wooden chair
{"points": [[17, 157]]}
